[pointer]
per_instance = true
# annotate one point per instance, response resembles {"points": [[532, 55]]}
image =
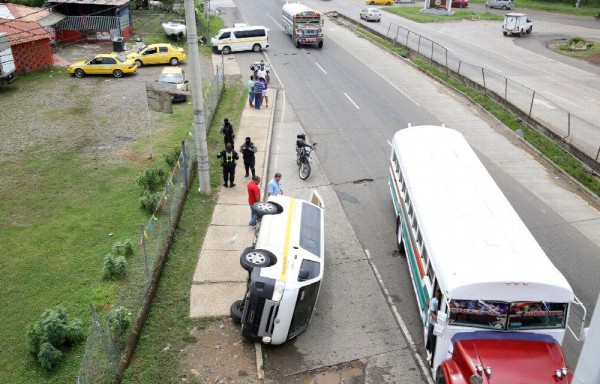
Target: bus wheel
{"points": [[320, 44], [297, 44], [399, 237], [235, 311], [257, 258]]}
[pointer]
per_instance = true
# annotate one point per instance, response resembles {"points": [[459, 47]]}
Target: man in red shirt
{"points": [[253, 197]]}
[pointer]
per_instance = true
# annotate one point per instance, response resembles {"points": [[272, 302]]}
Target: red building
{"points": [[29, 42]]}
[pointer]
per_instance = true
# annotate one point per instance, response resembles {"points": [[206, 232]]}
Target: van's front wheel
{"points": [[226, 50], [256, 48]]}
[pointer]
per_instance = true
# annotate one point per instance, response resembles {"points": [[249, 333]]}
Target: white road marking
{"points": [[321, 68], [493, 68], [276, 23], [380, 75], [399, 320], [562, 98], [352, 101], [283, 108]]}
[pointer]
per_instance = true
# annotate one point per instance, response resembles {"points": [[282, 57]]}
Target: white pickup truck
{"points": [[7, 61], [516, 24]]}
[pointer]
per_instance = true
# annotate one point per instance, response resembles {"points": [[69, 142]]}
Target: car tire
{"points": [[372, 3], [139, 63], [235, 312], [174, 61], [504, 7], [226, 50], [118, 73], [268, 208], [505, 33], [388, 3], [256, 48], [256, 258], [530, 29], [79, 73]]}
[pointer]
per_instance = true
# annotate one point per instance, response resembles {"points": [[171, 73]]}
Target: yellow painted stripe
{"points": [[286, 244], [243, 42]]}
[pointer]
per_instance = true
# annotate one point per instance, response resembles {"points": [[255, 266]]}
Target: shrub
{"points": [[119, 321], [114, 266], [172, 157], [52, 332], [149, 201], [575, 40], [152, 179], [123, 248], [49, 357]]}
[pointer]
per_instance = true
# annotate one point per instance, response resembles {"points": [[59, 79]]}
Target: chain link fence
{"points": [[106, 355], [576, 135]]}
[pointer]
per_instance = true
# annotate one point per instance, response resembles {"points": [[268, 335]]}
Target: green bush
{"points": [[114, 266], [119, 321], [52, 332], [575, 40], [172, 157], [149, 201], [49, 357], [123, 248], [152, 179]]}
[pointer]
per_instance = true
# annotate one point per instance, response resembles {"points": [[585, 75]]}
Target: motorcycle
{"points": [[303, 158], [254, 67]]}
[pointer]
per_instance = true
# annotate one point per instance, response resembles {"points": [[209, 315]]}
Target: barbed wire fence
{"points": [[107, 355], [576, 135]]}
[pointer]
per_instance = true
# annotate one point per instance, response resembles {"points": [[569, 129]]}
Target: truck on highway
{"points": [[494, 307], [304, 25], [7, 61]]}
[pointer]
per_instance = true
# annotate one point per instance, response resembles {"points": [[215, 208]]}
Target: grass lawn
{"points": [[412, 13], [567, 49], [590, 9], [169, 323]]}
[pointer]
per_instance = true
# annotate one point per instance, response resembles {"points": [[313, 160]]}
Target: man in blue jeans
{"points": [[258, 88]]}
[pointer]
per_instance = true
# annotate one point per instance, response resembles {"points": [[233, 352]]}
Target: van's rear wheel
{"points": [[256, 258], [268, 208], [256, 48], [235, 311], [504, 7], [226, 50]]}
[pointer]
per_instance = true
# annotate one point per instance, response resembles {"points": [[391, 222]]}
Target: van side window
{"points": [[256, 32], [225, 35], [240, 34], [310, 229], [309, 270]]}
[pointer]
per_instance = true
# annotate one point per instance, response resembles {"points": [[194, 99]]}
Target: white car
{"points": [[370, 14], [516, 24]]}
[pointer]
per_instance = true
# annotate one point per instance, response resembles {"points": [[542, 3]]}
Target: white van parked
{"points": [[503, 4], [248, 38], [285, 269]]}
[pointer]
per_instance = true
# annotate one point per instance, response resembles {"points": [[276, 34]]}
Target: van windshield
{"points": [[305, 303]]}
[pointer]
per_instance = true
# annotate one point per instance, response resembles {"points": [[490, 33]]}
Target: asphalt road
{"points": [[352, 111]]}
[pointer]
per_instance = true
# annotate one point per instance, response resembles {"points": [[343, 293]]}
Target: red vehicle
{"points": [[526, 358], [460, 3]]}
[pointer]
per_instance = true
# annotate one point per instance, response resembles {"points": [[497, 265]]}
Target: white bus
{"points": [[461, 235], [304, 25], [285, 267]]}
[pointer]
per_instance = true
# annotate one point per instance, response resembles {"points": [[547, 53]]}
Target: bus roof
{"points": [[479, 246], [295, 8]]}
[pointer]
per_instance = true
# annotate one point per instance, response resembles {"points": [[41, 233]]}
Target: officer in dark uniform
{"points": [[228, 156], [248, 150], [227, 132]]}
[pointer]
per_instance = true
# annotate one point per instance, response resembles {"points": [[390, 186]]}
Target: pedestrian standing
{"points": [[248, 149], [228, 156], [250, 86], [258, 88], [253, 197], [274, 187], [227, 132], [432, 318], [265, 94]]}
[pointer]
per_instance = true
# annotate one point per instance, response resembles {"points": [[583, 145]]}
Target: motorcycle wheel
{"points": [[304, 170]]}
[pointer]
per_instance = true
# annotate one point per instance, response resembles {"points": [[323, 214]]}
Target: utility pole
{"points": [[198, 105]]}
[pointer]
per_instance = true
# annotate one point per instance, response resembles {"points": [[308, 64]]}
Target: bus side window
{"points": [[430, 273]]}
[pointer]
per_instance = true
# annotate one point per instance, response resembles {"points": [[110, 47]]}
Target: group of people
{"points": [[258, 90], [229, 157]]}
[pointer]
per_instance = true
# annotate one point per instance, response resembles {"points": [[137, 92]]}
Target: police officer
{"points": [[248, 150], [228, 156], [227, 132]]}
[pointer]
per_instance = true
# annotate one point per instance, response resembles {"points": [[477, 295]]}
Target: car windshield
{"points": [[174, 78]]}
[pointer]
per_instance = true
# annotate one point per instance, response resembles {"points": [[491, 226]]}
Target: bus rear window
{"points": [[536, 315]]}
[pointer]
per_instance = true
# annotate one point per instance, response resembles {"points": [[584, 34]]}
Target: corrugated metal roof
{"points": [[51, 19], [115, 3]]}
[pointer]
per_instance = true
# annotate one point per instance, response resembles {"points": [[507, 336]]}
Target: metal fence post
{"points": [[103, 338], [459, 62], [407, 35], [396, 37], [431, 58], [419, 45], [505, 89], [483, 77], [447, 68], [185, 178], [531, 106], [388, 31], [568, 124], [145, 254]]}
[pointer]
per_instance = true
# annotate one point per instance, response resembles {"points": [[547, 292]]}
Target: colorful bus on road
{"points": [[304, 25], [504, 306]]}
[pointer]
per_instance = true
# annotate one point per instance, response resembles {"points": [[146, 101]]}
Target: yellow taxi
{"points": [[163, 53], [379, 2], [106, 64]]}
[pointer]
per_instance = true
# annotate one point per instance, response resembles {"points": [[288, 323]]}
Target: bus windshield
{"points": [[507, 316]]}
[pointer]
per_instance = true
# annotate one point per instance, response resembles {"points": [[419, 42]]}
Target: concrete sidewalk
{"points": [[219, 280]]}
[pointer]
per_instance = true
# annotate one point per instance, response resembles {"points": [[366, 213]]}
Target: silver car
{"points": [[503, 4], [370, 14]]}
